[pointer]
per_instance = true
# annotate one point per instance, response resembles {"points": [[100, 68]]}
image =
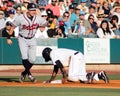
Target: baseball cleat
{"points": [[22, 78], [103, 76], [32, 79], [90, 77]]}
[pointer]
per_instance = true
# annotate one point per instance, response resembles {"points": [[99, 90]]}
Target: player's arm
{"points": [[55, 71], [60, 65]]}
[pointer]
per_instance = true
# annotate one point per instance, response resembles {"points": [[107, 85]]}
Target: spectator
{"points": [[106, 9], [100, 19], [44, 14], [114, 25], [91, 12], [82, 6], [11, 15], [93, 3], [41, 32], [54, 7], [42, 3], [61, 6], [104, 31], [18, 11], [66, 21], [8, 8], [83, 27], [74, 17], [5, 32], [57, 32], [24, 6], [2, 22], [93, 24], [116, 11]]}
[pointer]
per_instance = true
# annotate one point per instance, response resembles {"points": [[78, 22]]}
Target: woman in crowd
{"points": [[93, 24], [114, 25], [104, 31]]}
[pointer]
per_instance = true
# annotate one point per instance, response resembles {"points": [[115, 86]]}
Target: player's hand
{"points": [[9, 41], [64, 80], [48, 81]]}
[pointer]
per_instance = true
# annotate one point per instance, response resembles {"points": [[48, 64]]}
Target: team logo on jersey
{"points": [[32, 27]]}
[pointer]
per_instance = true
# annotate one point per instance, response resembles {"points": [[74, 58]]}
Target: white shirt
{"points": [[40, 34], [118, 14], [61, 54], [107, 35]]}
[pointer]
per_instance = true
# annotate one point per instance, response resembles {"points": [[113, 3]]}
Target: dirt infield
{"points": [[113, 84]]}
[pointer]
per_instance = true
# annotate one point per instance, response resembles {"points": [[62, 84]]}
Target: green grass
{"points": [[43, 91], [55, 91]]}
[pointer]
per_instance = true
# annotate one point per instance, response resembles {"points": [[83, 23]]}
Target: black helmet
{"points": [[31, 6], [46, 54]]}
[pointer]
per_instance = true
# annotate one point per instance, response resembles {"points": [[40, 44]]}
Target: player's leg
{"points": [[101, 76], [77, 68], [32, 57], [23, 49]]}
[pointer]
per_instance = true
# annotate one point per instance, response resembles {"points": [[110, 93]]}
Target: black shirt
{"points": [[5, 34]]}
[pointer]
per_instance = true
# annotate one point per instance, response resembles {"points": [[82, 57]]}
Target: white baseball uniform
{"points": [[77, 66]]}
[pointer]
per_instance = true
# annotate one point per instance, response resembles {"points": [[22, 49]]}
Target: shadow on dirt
{"points": [[9, 79]]}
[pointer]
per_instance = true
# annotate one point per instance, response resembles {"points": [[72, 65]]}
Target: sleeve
{"points": [[42, 22], [16, 22], [100, 33]]}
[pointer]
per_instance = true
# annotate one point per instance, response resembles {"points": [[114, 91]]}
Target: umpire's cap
{"points": [[31, 6], [46, 54]]}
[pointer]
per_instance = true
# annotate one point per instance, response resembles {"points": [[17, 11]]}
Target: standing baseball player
{"points": [[75, 61], [28, 24]]}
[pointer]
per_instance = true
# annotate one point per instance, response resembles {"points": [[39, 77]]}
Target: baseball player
{"points": [[75, 61], [28, 23]]}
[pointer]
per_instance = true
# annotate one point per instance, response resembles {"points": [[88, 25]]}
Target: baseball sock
{"points": [[27, 67]]}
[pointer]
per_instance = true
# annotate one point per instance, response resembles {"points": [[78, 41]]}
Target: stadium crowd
{"points": [[66, 18]]}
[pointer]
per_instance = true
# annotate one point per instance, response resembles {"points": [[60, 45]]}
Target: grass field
{"points": [[55, 91], [43, 91]]}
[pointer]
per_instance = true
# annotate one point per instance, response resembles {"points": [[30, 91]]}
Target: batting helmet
{"points": [[46, 54]]}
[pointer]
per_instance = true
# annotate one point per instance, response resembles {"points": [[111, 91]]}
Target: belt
{"points": [[76, 53], [25, 37]]}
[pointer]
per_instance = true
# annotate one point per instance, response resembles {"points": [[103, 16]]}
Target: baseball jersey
{"points": [[61, 54], [27, 28]]}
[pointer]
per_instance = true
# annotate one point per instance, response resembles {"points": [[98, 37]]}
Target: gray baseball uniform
{"points": [[27, 30]]}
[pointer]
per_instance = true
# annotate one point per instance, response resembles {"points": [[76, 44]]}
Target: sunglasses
{"points": [[66, 16], [91, 18], [44, 15]]}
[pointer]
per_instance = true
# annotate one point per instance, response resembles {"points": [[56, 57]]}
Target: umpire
{"points": [[28, 24]]}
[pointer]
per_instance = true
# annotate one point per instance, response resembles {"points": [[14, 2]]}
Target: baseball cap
{"points": [[94, 1], [83, 1], [31, 6], [43, 13], [8, 23], [71, 6], [11, 11], [82, 13], [9, 4]]}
